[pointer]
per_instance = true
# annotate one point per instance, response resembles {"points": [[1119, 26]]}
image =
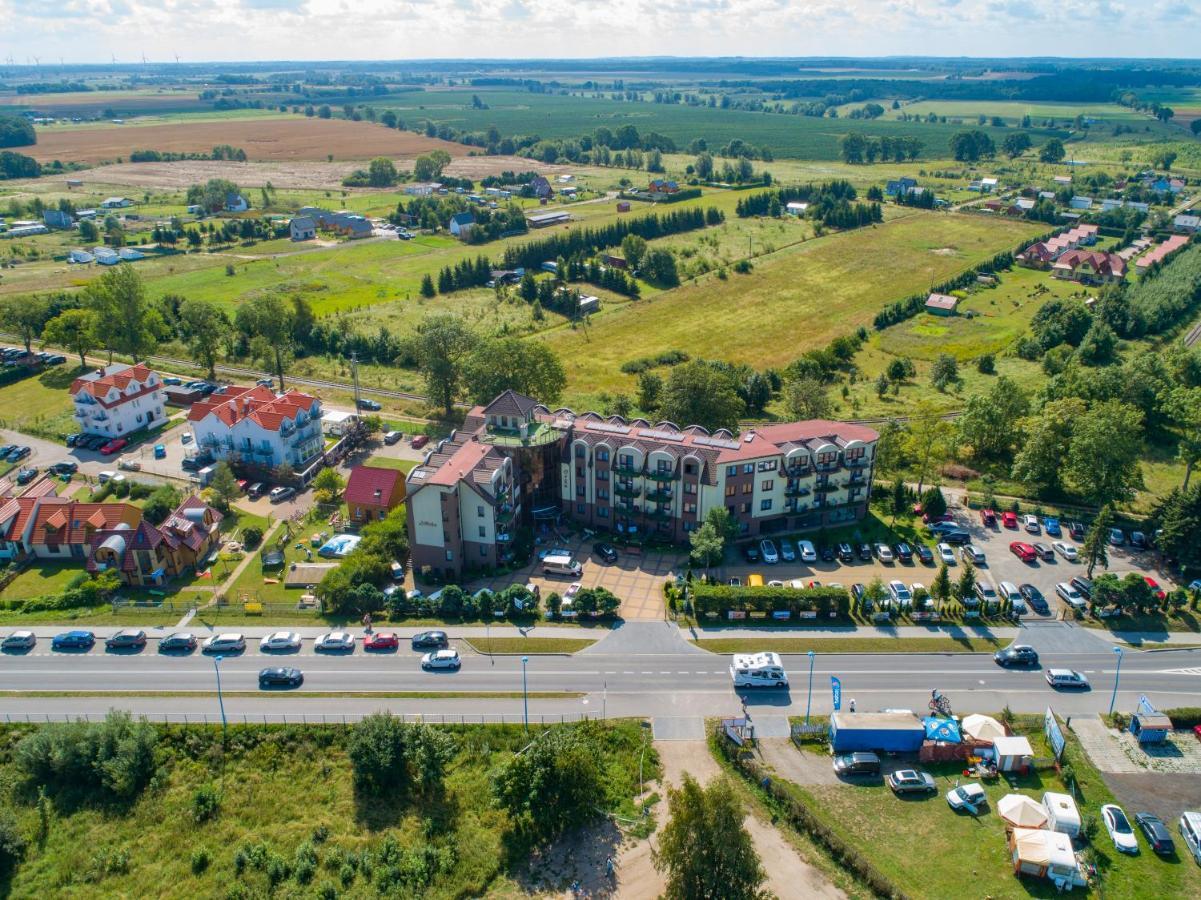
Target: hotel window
{"points": [[579, 490], [768, 465], [450, 556], [580, 451], [730, 490], [731, 471], [748, 469], [856, 453], [602, 475], [580, 509], [602, 493], [627, 460], [602, 512], [602, 454], [767, 485], [483, 531], [746, 507], [690, 508], [689, 468], [479, 511], [747, 488], [689, 488], [732, 509], [483, 550], [764, 505], [666, 465]]}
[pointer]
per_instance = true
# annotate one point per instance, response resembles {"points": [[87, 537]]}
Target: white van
{"points": [[758, 670], [561, 564], [1010, 592], [1065, 817]]}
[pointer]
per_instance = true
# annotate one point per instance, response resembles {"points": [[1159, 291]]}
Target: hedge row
{"points": [[1184, 717], [721, 597]]}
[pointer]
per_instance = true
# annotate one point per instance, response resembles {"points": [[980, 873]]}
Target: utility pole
{"points": [[354, 376]]}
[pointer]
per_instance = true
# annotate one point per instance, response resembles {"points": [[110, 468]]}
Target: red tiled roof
{"points": [[1160, 252], [66, 520], [1104, 263], [259, 404], [99, 387], [371, 486]]}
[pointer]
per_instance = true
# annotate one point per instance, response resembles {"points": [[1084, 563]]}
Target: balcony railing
{"points": [[627, 469], [825, 487], [627, 490], [659, 494], [798, 471], [663, 474], [859, 463], [659, 514], [797, 490]]}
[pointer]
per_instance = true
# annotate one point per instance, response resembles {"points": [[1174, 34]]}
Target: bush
{"points": [[251, 535], [206, 803], [388, 754], [12, 844], [114, 758], [718, 598], [1185, 717], [200, 860]]}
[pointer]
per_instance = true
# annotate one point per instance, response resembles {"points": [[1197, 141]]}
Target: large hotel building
{"points": [[515, 462]]}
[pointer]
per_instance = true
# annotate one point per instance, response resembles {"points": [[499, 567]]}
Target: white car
{"points": [[946, 553], [971, 553], [775, 583], [900, 594], [280, 641], [1119, 828], [334, 642], [807, 550], [967, 796], [441, 659], [1067, 678], [768, 549], [224, 643], [1190, 831], [1067, 551], [19, 640], [884, 553], [1070, 595], [1010, 592], [1031, 524]]}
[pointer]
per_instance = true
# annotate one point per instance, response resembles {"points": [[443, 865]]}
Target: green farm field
{"points": [[803, 296]]}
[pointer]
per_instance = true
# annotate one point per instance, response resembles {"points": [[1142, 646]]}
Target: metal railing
{"points": [[214, 720]]}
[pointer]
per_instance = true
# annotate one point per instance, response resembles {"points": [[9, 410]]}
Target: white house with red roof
{"points": [[117, 400], [258, 427]]}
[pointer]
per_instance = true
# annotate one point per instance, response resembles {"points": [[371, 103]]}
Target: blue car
{"points": [[1051, 526], [73, 640]]}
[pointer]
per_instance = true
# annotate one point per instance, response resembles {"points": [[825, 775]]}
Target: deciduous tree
{"points": [[75, 329], [129, 324], [26, 316], [699, 394], [528, 367], [1103, 458], [204, 328], [269, 323], [443, 342]]}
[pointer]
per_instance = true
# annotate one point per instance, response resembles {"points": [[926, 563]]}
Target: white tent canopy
{"points": [[1022, 811], [982, 728]]}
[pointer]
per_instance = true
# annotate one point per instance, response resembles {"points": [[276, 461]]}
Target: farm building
{"points": [[796, 208], [623, 206], [461, 224], [80, 256], [302, 228], [941, 304], [116, 203], [1189, 224], [422, 189], [545, 220], [588, 304]]}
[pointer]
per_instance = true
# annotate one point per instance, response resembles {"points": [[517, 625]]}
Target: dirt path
{"points": [[795, 766]]}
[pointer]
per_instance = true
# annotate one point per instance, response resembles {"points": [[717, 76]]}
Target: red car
{"points": [[1009, 520], [419, 441], [1155, 588], [988, 517], [381, 640], [114, 446], [945, 517], [1023, 551]]}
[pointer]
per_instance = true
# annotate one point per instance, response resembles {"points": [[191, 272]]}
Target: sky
{"points": [[90, 31]]}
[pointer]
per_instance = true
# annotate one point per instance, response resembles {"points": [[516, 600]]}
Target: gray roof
{"points": [[511, 403], [303, 222]]}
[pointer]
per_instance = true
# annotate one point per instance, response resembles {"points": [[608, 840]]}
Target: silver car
{"points": [[441, 659], [334, 642], [280, 642], [20, 640], [225, 643]]}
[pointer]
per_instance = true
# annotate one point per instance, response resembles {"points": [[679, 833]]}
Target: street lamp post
{"points": [[220, 699], [1116, 675], [809, 701], [525, 695]]}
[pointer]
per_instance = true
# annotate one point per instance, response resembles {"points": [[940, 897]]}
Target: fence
{"points": [[214, 720]]}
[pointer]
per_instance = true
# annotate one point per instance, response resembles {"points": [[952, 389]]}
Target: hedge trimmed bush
{"points": [[718, 598], [1185, 717]]}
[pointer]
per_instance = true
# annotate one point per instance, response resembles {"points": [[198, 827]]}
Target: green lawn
{"points": [[514, 646], [954, 845], [391, 462], [40, 405]]}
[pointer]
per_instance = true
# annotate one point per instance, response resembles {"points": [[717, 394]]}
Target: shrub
{"points": [[718, 598], [12, 844], [114, 757], [200, 860], [251, 535], [1184, 717], [206, 803], [387, 753]]}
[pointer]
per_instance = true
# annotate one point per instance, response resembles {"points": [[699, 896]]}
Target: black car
{"points": [[865, 552], [751, 552], [925, 554], [19, 453], [127, 639], [853, 764], [435, 639], [176, 642], [1076, 530], [857, 591], [956, 537], [55, 359], [27, 475], [1156, 833], [72, 439], [1083, 585], [607, 552], [63, 468], [1033, 596], [827, 553], [904, 552], [95, 441], [1016, 655], [846, 553], [372, 405], [281, 677]]}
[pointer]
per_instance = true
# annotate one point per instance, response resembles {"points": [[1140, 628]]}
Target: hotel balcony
{"points": [[797, 490], [659, 494], [505, 514], [627, 490], [660, 514], [627, 469], [663, 475]]}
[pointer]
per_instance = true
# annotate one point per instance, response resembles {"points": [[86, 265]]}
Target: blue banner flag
{"points": [[836, 690]]}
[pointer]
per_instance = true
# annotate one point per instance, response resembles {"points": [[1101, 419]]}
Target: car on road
{"points": [[392, 437], [181, 640], [442, 659], [884, 553], [807, 551], [73, 640], [1009, 520], [851, 765], [125, 639], [1083, 585], [63, 468], [1070, 595], [426, 639], [911, 781], [1067, 551], [606, 552], [971, 553], [116, 445], [751, 552], [1016, 655], [767, 547], [1045, 553], [280, 494], [334, 642], [865, 552], [1156, 832], [1117, 537], [369, 405], [1030, 523], [27, 475], [1066, 678], [381, 640], [900, 594], [904, 552], [172, 380], [281, 676], [280, 642], [1051, 526], [787, 550], [1120, 830], [1023, 551], [1076, 530], [946, 553], [1035, 598], [1156, 590], [846, 553], [1190, 831], [19, 640], [229, 642], [925, 554], [16, 454], [970, 797], [988, 518]]}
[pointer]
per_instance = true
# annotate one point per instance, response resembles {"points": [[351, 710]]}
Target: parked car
{"points": [[125, 639], [381, 640], [1066, 678], [884, 552], [1190, 831], [224, 643], [369, 405], [970, 797], [988, 518], [1035, 598], [280, 642], [911, 781], [419, 440], [767, 547], [925, 554], [1138, 540], [900, 594], [1120, 830], [956, 537], [1009, 519], [19, 640], [116, 445], [129, 465], [846, 553], [181, 640], [1070, 595], [73, 640], [852, 765], [943, 527], [1117, 537], [1067, 551], [751, 552], [172, 380], [27, 475], [1076, 530], [392, 437], [1023, 551], [946, 553], [1030, 523], [426, 639], [1156, 590], [280, 494], [1051, 526], [827, 553], [787, 550], [1083, 585], [334, 642], [857, 591], [281, 676], [19, 453], [904, 552], [971, 553], [1045, 553], [1156, 832], [1016, 655], [606, 552], [807, 551], [985, 592], [865, 552], [442, 659]]}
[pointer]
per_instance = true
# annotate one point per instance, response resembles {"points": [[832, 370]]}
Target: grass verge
{"points": [[852, 645], [528, 645], [403, 695]]}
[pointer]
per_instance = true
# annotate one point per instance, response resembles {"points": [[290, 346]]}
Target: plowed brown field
{"points": [[262, 139]]}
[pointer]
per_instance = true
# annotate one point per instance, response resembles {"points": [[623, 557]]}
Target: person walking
{"points": [[852, 704]]}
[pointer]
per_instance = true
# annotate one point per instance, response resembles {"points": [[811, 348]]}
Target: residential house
{"points": [[1046, 195], [105, 256], [1188, 223], [1042, 253], [662, 186], [1023, 205], [1160, 252], [371, 492], [116, 203], [149, 555], [796, 208], [616, 262], [516, 462], [20, 230], [1141, 207], [235, 203], [80, 256], [423, 189], [1063, 179], [130, 254], [56, 218], [302, 228], [352, 226], [1110, 203], [900, 186], [587, 304], [540, 187], [461, 224], [988, 185], [257, 427], [118, 400], [1089, 267], [1079, 202], [941, 304], [61, 528]]}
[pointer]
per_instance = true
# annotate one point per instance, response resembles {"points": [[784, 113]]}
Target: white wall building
{"points": [[258, 427], [118, 400]]}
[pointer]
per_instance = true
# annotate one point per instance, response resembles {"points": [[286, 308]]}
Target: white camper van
{"points": [[561, 564], [758, 670], [1065, 817]]}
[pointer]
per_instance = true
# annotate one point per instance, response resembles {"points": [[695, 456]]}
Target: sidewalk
{"points": [[1136, 638], [309, 631], [819, 632]]}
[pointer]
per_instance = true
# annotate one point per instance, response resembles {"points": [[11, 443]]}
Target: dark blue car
{"points": [[73, 640]]}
